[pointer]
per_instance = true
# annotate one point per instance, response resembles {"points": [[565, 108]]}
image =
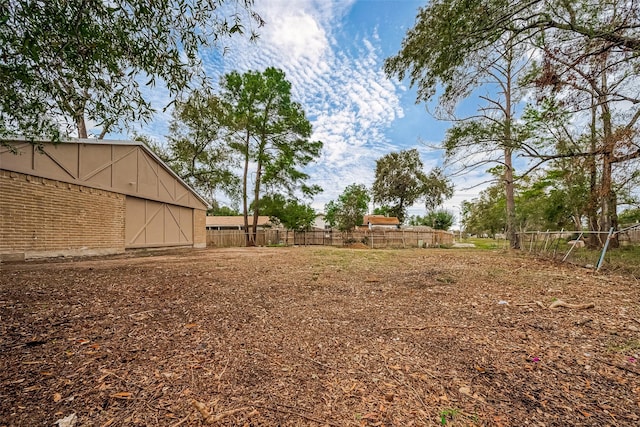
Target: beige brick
{"points": [[57, 217]]}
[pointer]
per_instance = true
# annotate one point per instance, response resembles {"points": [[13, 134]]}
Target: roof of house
{"points": [[234, 221], [380, 220]]}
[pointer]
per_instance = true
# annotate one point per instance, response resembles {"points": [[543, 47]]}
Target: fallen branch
{"points": [[210, 418], [559, 303], [298, 414]]}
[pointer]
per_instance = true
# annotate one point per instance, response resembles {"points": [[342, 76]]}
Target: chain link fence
{"points": [[612, 251]]}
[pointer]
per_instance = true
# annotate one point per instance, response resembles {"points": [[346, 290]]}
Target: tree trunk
{"points": [[608, 199], [256, 202], [245, 203], [81, 125], [592, 206], [512, 234]]}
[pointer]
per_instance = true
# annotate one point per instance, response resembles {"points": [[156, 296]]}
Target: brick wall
{"points": [[199, 228], [43, 217]]}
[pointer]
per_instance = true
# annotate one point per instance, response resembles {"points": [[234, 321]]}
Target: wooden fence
{"points": [[237, 238], [375, 239], [630, 236]]}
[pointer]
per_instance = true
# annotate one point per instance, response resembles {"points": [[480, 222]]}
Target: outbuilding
{"points": [[92, 197]]}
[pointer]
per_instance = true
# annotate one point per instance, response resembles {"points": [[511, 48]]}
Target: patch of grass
{"points": [[625, 258], [625, 347], [485, 243]]}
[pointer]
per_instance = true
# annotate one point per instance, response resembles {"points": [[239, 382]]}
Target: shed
{"points": [[88, 197]]}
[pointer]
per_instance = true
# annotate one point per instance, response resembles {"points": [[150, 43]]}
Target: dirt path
{"points": [[304, 336]]}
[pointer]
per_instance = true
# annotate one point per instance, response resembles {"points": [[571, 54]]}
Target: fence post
{"points": [[604, 250], [546, 241], [575, 242], [557, 243]]}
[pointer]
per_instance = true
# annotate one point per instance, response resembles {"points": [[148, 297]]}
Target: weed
{"points": [[448, 414]]}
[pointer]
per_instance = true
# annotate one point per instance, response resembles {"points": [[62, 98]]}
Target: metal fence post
{"points": [[604, 250], [575, 242], [546, 241]]}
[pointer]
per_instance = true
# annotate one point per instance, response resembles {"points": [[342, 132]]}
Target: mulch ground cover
{"points": [[317, 337]]}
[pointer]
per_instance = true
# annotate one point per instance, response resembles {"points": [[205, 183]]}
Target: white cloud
{"points": [[338, 80], [342, 88]]}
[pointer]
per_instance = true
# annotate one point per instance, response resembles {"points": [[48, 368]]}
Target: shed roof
{"points": [[99, 166]]}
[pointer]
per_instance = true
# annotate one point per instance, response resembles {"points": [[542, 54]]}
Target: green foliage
{"points": [[197, 149], [348, 211], [448, 414], [452, 39], [554, 199], [384, 210], [77, 60], [252, 126], [292, 214], [400, 181], [440, 219], [457, 46], [269, 134], [487, 213], [220, 210], [447, 39], [438, 188], [629, 217]]}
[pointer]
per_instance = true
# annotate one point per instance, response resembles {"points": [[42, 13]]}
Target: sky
{"points": [[332, 52]]}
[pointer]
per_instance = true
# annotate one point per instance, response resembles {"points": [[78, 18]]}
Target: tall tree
{"points": [[348, 211], [197, 149], [78, 61], [270, 134], [401, 181], [432, 56], [597, 84], [438, 188], [437, 52]]}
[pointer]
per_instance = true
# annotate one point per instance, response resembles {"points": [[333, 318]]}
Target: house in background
{"points": [[380, 221], [236, 222], [320, 224]]}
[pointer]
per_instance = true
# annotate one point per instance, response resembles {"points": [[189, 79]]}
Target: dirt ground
{"points": [[317, 337]]}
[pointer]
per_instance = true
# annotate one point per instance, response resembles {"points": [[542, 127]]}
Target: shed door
{"points": [[156, 224]]}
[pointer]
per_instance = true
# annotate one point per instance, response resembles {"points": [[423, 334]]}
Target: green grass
{"points": [[485, 243], [625, 259], [625, 347]]}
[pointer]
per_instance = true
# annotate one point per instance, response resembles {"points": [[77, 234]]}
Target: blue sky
{"points": [[332, 52]]}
